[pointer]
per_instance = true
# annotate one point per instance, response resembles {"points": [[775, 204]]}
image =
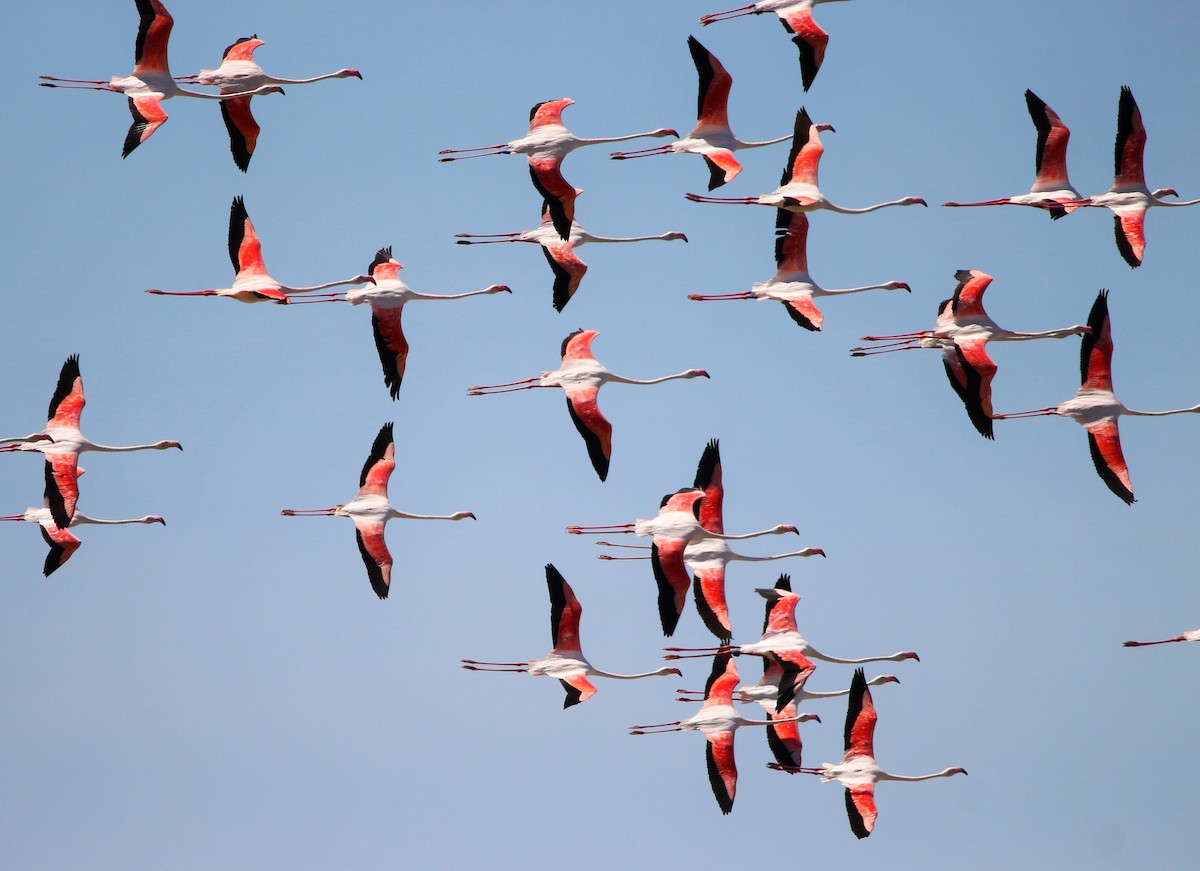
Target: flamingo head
{"points": [[462, 515], [163, 445], [882, 679], [665, 131], [696, 373], [820, 127], [345, 74], [666, 671], [907, 654], [1164, 192], [914, 201], [898, 285], [808, 718], [675, 234], [153, 518]]}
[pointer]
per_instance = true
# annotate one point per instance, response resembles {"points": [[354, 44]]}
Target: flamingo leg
{"points": [[697, 198], [704, 297]]}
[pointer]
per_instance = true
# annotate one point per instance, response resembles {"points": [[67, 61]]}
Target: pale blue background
{"points": [[227, 693]]}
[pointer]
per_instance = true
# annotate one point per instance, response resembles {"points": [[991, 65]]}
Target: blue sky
{"points": [[227, 692]]}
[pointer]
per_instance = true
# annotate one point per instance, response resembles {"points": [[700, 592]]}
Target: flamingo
{"points": [[370, 510], [62, 543], [566, 660], [386, 293], [66, 443], [238, 73], [711, 138], [962, 332], [782, 634], [252, 282], [797, 18], [1052, 189], [1129, 198], [858, 771], [546, 144], [719, 721], [678, 522], [1096, 408], [798, 191], [582, 376], [791, 284], [1190, 635], [568, 268], [150, 82]]}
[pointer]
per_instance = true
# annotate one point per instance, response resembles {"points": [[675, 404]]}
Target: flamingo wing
{"points": [[62, 487], [791, 241], [1095, 356], [568, 270], [860, 718], [391, 345], [784, 738], [670, 571], [860, 808], [970, 371], [67, 402], [154, 33], [968, 295], [1129, 228], [805, 156], [557, 193], [708, 589], [592, 425], [579, 689], [62, 545], [1050, 159], [1130, 144], [148, 115], [722, 768], [809, 38], [242, 128], [565, 611], [709, 479], [805, 312], [377, 470], [712, 102], [794, 671], [245, 250], [375, 555], [1105, 443]]}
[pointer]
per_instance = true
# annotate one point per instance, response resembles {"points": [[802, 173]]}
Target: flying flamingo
{"points": [[582, 376], [781, 634], [1190, 635], [719, 721], [791, 284], [150, 82], [546, 144], [1096, 408], [237, 74], [858, 771], [566, 660], [67, 443], [962, 332], [1052, 188], [370, 510], [386, 293], [797, 18], [560, 253], [711, 138], [62, 543], [1129, 198], [252, 282], [678, 522], [798, 191]]}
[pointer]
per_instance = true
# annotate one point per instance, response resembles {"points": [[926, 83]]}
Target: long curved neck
{"points": [[755, 559], [664, 237], [83, 518], [834, 207], [415, 295], [741, 144], [275, 81], [816, 654], [614, 676], [1193, 409], [947, 773], [620, 379], [116, 449], [406, 516], [286, 289], [833, 292], [582, 142], [774, 530]]}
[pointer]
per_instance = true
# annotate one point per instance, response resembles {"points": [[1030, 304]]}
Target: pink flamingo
{"points": [[858, 771], [1052, 189], [252, 282], [1129, 198], [66, 443], [798, 191], [568, 268], [566, 660], [797, 18], [1096, 408], [791, 284], [237, 74], [546, 144], [150, 82], [711, 138], [581, 376], [719, 721], [370, 510]]}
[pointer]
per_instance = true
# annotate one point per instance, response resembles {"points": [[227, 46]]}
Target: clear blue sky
{"points": [[227, 692]]}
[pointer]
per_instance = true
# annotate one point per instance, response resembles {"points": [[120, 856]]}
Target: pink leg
{"points": [[600, 530], [743, 295], [697, 198], [308, 512]]}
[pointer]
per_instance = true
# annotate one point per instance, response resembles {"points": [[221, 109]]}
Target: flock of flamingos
{"points": [[690, 550]]}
